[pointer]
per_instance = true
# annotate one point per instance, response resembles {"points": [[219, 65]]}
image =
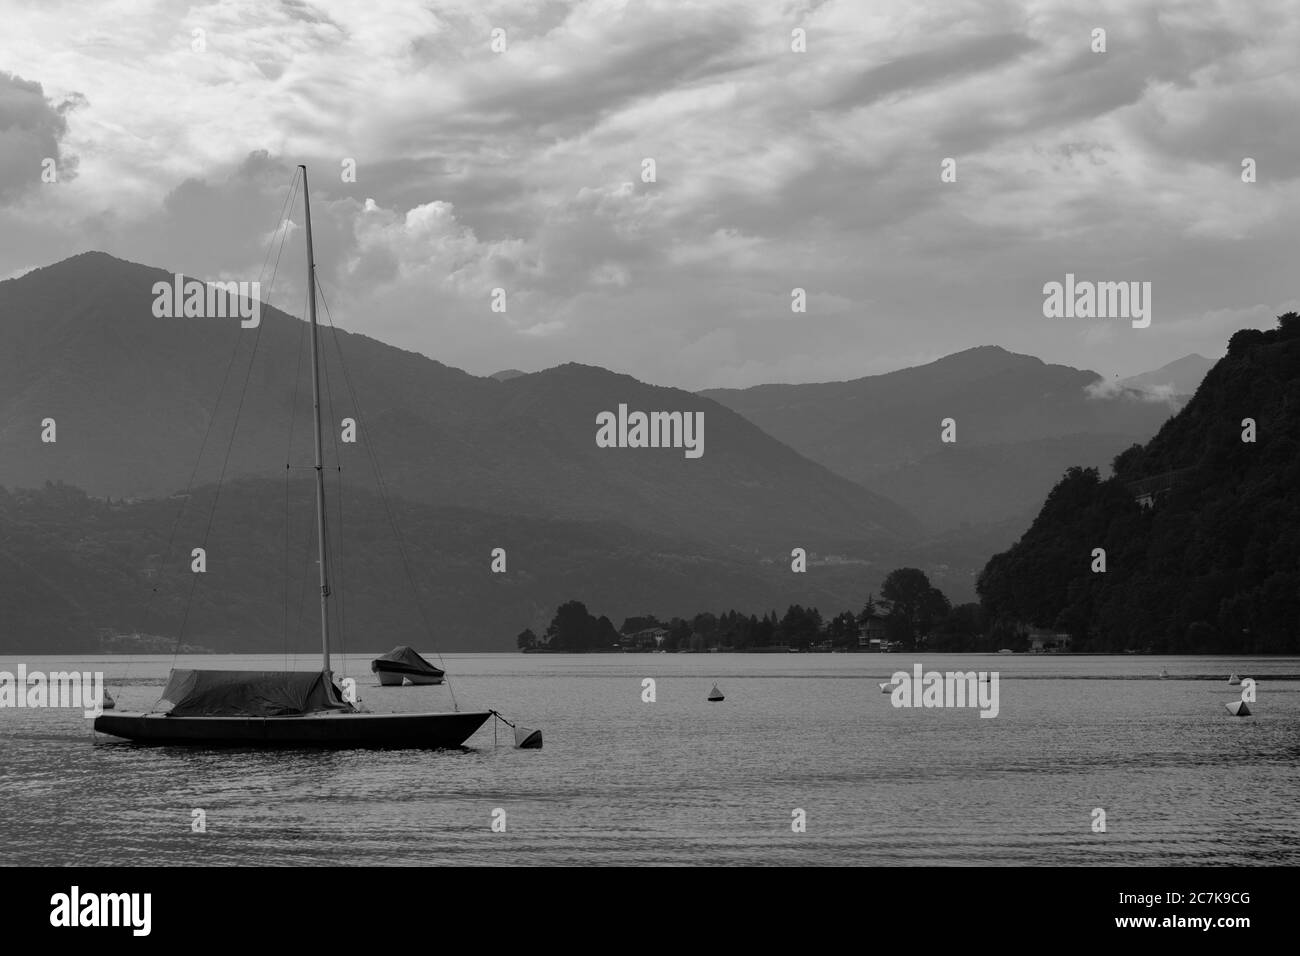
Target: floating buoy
{"points": [[1234, 680], [525, 737], [715, 695], [1163, 673], [1238, 708], [108, 703]]}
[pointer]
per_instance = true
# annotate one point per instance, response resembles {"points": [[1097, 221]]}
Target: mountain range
{"points": [[133, 397], [146, 408], [1018, 423]]}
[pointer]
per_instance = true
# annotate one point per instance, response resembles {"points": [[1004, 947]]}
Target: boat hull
{"points": [[397, 678], [423, 680], [390, 676], [328, 730]]}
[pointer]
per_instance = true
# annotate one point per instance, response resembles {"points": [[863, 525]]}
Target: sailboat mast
{"points": [[320, 470]]}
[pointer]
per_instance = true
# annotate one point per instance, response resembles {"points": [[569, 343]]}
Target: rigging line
{"points": [[234, 430], [207, 432], [288, 463], [383, 493], [280, 223]]}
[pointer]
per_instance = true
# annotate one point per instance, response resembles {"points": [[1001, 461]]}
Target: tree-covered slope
{"points": [[1213, 564]]}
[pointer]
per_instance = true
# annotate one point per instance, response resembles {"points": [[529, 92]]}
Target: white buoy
{"points": [[1238, 708]]}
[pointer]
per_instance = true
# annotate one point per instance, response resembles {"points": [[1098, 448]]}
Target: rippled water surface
{"points": [[684, 781]]}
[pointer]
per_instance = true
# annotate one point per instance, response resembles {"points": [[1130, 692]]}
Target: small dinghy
{"points": [[886, 686], [403, 664], [715, 695], [1234, 680], [1238, 708]]}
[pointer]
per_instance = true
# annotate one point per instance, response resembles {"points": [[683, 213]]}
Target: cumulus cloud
{"points": [[521, 170], [32, 128]]}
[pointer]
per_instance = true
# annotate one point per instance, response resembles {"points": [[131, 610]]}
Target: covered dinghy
{"points": [[203, 693], [402, 663]]}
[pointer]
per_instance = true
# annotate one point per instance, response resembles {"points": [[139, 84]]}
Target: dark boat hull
{"points": [[328, 730], [391, 675], [395, 678]]}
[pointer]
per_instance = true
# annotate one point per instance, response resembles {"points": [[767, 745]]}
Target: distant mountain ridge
{"points": [[132, 396], [1181, 377], [1019, 423]]}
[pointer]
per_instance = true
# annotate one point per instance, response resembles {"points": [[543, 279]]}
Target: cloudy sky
{"points": [[775, 169]]}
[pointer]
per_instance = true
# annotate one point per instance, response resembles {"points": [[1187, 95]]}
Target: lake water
{"points": [[684, 781]]}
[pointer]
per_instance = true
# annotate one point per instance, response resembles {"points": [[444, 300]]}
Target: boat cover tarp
{"points": [[210, 693], [403, 658]]}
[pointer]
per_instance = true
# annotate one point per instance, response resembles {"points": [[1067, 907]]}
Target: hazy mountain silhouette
{"points": [[132, 396], [1180, 378], [1020, 423]]}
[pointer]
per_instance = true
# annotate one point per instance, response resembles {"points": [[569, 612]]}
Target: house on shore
{"points": [[871, 635], [1045, 641], [647, 639]]}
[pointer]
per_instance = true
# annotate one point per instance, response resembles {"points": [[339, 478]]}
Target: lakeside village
{"points": [[909, 615]]}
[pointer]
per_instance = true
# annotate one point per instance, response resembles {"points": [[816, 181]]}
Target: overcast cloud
{"points": [[775, 169]]}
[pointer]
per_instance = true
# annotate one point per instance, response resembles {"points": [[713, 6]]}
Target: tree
{"points": [[705, 627], [526, 639], [631, 625], [572, 628], [915, 606], [800, 626], [679, 635], [604, 634], [959, 631], [843, 630]]}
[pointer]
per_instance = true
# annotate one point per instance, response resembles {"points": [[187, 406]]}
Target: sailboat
{"points": [[1233, 680], [285, 708]]}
